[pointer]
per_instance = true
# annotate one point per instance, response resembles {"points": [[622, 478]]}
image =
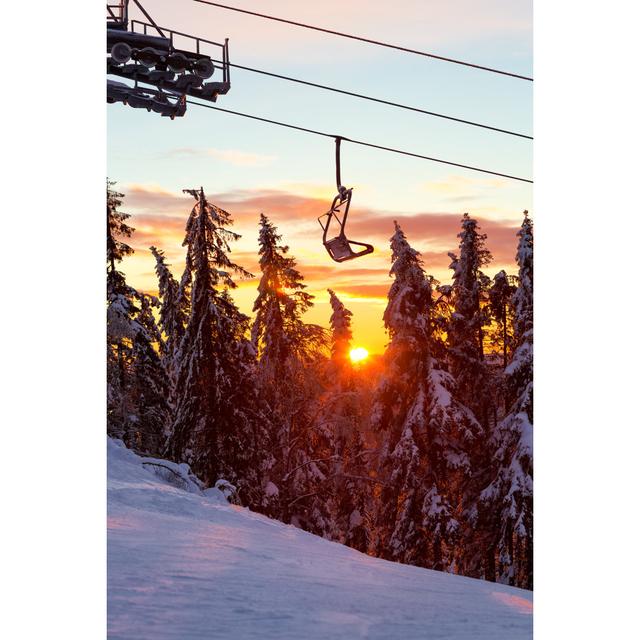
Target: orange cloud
{"points": [[438, 231], [160, 215]]}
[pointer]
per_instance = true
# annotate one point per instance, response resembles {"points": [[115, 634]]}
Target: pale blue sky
{"points": [[139, 144], [241, 158]]}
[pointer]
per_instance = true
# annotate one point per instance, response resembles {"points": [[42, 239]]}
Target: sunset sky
{"points": [[249, 167]]}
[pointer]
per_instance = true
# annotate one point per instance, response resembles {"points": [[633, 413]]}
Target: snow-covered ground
{"points": [[187, 565]]}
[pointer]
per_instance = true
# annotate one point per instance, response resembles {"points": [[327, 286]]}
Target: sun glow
{"points": [[358, 354]]}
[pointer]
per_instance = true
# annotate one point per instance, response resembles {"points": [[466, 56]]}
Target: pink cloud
{"points": [[159, 217]]}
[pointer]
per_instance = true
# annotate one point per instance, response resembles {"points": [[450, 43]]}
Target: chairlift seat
{"points": [[340, 248]]}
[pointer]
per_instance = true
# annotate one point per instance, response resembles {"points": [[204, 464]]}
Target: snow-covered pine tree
{"points": [[523, 297], [121, 312], [466, 329], [213, 419], [350, 500], [137, 389], [343, 414], [424, 433], [247, 436], [340, 324], [288, 377], [279, 332], [174, 311], [150, 387], [400, 411], [507, 502], [452, 437], [117, 228]]}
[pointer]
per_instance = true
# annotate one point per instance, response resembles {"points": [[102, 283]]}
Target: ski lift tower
{"points": [[162, 66]]}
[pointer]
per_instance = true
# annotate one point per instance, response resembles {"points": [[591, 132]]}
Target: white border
{"points": [[586, 424], [53, 416], [586, 205]]}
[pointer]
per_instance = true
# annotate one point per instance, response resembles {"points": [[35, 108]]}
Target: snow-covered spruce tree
{"points": [[117, 228], [506, 504], [340, 324], [466, 328], [342, 414], [423, 432], [136, 386], [150, 387], [213, 427], [121, 312], [288, 378], [399, 412], [453, 436], [174, 311], [246, 437], [350, 499], [279, 332]]}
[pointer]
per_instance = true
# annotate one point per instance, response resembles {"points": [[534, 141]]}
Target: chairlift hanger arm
{"points": [[338, 180]]}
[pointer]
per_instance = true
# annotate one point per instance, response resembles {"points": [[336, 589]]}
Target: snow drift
{"points": [[183, 563]]}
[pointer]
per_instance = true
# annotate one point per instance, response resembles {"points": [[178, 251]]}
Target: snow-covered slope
{"points": [[187, 565]]}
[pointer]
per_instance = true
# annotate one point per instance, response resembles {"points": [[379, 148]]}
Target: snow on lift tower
{"points": [[164, 65], [339, 247]]}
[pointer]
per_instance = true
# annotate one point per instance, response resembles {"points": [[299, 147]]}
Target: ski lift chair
{"points": [[339, 247]]}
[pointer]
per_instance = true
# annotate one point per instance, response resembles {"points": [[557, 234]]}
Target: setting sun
{"points": [[358, 354]]}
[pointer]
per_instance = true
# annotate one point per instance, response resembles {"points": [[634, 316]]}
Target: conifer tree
{"points": [[121, 312], [523, 297], [212, 426], [340, 323], [150, 387], [466, 329], [399, 411], [424, 432], [173, 309], [137, 409], [453, 436], [279, 332], [349, 501], [117, 228], [343, 415], [507, 501], [288, 378]]}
